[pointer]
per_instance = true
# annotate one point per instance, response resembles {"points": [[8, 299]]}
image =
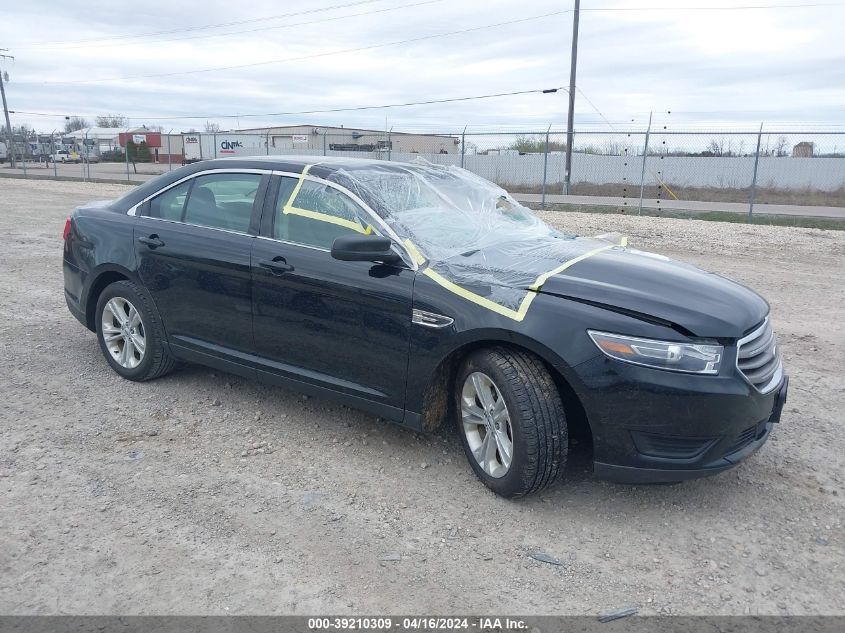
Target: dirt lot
{"points": [[150, 498]]}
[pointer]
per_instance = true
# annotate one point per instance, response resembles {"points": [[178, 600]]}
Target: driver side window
{"points": [[316, 214]]}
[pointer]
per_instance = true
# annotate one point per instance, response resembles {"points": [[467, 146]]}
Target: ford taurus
{"points": [[423, 294]]}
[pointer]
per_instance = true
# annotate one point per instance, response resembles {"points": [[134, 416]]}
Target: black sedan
{"points": [[424, 294]]}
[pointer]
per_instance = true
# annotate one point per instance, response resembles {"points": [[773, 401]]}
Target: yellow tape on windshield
{"points": [[544, 277], [295, 192], [290, 209], [519, 313], [414, 253]]}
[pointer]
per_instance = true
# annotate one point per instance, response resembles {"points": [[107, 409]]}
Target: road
{"points": [[691, 206], [97, 171]]}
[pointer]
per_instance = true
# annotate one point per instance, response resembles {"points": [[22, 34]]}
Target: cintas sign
{"points": [[230, 147], [199, 146]]}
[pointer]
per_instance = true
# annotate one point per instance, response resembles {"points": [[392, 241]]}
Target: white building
{"points": [[315, 138], [99, 139]]}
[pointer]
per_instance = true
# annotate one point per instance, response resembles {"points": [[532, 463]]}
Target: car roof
{"points": [[319, 166]]}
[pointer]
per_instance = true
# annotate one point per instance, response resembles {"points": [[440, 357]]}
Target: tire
{"points": [[536, 422], [117, 306]]}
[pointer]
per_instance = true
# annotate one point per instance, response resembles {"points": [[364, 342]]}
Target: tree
{"points": [[21, 136], [132, 153], [716, 147], [211, 127], [18, 130], [75, 123], [111, 120], [143, 154], [535, 145], [780, 146]]}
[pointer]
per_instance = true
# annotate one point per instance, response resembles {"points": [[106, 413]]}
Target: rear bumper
{"points": [[73, 291], [75, 310]]}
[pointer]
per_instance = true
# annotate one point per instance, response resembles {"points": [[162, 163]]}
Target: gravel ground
{"points": [[202, 493]]}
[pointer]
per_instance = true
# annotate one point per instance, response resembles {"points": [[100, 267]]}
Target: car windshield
{"points": [[445, 211]]}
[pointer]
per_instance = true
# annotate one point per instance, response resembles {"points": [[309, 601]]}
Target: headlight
{"points": [[686, 357]]}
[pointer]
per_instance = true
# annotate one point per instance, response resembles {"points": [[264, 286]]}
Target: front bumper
{"points": [[652, 426], [640, 475]]}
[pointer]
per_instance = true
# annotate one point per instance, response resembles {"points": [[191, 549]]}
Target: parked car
{"points": [[91, 159], [112, 156], [64, 156], [422, 294]]}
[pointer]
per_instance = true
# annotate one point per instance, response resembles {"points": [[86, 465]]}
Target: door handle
{"points": [[153, 241], [276, 266]]}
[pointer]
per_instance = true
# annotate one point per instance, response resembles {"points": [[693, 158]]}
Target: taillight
{"points": [[66, 232]]}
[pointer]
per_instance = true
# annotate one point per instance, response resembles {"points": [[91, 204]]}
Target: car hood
{"points": [[704, 303], [644, 285]]}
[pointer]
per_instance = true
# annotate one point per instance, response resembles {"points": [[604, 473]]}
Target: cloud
{"points": [[734, 68]]}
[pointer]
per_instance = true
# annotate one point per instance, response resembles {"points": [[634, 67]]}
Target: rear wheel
{"points": [[130, 333], [511, 421]]}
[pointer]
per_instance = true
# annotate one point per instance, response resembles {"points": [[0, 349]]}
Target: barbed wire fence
{"points": [[623, 169]]}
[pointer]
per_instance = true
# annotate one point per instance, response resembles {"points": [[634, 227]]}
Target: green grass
{"points": [[830, 224]]}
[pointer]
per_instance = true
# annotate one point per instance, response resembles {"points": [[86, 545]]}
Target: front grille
{"points": [[758, 358]]}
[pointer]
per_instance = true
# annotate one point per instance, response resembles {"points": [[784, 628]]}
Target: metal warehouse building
{"points": [[341, 139]]}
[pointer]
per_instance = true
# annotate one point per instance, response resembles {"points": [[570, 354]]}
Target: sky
{"points": [[695, 69]]}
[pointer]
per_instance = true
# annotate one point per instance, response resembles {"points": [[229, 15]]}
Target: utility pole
{"points": [[567, 173], [11, 147]]}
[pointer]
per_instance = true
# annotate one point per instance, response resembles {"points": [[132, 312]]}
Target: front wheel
{"points": [[130, 333], [511, 421]]}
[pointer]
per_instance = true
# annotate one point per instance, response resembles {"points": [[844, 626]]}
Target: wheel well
{"points": [[437, 401], [97, 287]]}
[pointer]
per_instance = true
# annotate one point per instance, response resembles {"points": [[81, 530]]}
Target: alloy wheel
{"points": [[487, 424], [123, 332]]}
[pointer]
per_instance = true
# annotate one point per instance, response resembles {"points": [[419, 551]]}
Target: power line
{"points": [[330, 110], [131, 36], [50, 44], [593, 105], [255, 30], [304, 57], [202, 27]]}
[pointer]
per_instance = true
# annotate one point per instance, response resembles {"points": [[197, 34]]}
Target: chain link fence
{"points": [[627, 169]]}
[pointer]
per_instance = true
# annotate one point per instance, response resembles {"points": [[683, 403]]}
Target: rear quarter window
{"points": [[169, 205]]}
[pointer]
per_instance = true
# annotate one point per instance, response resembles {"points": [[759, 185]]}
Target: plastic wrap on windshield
{"points": [[470, 232]]}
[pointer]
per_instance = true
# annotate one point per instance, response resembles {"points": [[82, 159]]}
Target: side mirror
{"points": [[364, 248]]}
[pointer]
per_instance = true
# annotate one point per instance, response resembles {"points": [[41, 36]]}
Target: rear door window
{"points": [[222, 201]]}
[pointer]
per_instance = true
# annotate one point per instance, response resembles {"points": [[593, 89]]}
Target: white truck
{"points": [[210, 146], [64, 156]]}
